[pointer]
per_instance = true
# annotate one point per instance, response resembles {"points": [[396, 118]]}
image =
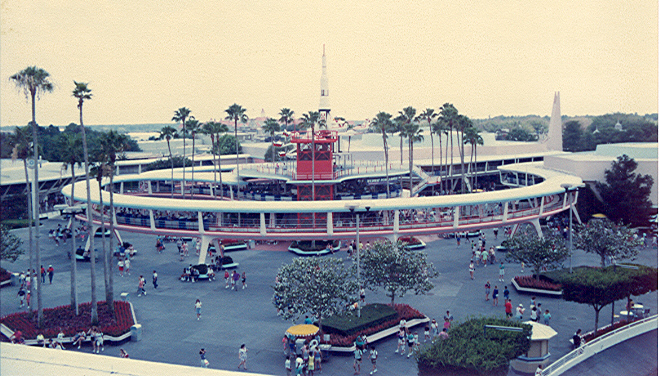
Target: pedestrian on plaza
{"points": [[226, 279], [198, 309], [154, 279], [522, 267], [410, 338], [487, 289], [495, 296], [287, 365], [434, 327], [577, 339], [203, 361], [198, 246], [357, 362], [447, 324], [501, 271], [506, 292], [141, 289], [243, 281], [532, 302], [242, 356], [317, 358], [21, 297], [458, 240], [28, 295], [520, 311], [120, 264], [43, 274], [79, 338], [484, 256], [471, 268], [547, 317], [533, 314], [127, 265], [310, 363], [235, 280], [373, 355], [495, 232], [51, 273], [427, 333], [539, 370], [123, 354], [444, 334], [449, 317], [401, 343], [508, 309], [362, 294]]}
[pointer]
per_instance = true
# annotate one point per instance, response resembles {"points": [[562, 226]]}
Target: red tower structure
{"points": [[314, 166]]}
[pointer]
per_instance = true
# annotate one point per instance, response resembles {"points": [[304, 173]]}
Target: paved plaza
{"points": [[172, 334]]}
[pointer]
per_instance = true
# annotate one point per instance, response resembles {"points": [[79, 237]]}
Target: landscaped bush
{"points": [[403, 311], [306, 245], [4, 275], [529, 281], [232, 242], [226, 260], [202, 268], [349, 323], [64, 317], [473, 350], [605, 330]]}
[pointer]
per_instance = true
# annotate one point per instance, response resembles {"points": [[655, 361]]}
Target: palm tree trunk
{"points": [[90, 232], [475, 164], [110, 293], [387, 167], [183, 181], [74, 272], [451, 162], [30, 221], [432, 155], [220, 168], [440, 148], [410, 162], [192, 178], [401, 146], [104, 252], [313, 186], [172, 164]]}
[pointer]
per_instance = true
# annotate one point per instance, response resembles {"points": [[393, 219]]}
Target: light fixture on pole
{"points": [[567, 188], [354, 209]]}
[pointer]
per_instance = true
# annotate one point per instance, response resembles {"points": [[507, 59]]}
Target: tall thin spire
{"points": [[325, 99], [555, 141]]}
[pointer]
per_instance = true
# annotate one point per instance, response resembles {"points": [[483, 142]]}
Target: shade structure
{"points": [[303, 330]]}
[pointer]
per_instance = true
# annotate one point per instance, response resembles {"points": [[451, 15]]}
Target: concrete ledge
{"points": [[556, 294], [300, 252], [382, 334]]}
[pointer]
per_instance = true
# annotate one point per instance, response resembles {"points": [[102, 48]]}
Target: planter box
{"points": [[528, 290], [382, 334], [322, 252], [416, 246]]}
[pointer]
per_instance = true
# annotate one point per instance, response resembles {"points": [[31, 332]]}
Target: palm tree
{"points": [[286, 116], [35, 81], [412, 132], [439, 129], [210, 129], [181, 115], [193, 127], [383, 123], [113, 144], [271, 126], [428, 115], [82, 92], [473, 137], [462, 124], [168, 132], [99, 171], [22, 139], [449, 118], [309, 120], [406, 116], [71, 146], [236, 113]]}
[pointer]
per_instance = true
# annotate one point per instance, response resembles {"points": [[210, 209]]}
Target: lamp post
{"points": [[567, 187], [354, 209]]}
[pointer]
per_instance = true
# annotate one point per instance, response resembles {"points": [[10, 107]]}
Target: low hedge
{"points": [[349, 323], [64, 317], [306, 245], [529, 281], [473, 350]]}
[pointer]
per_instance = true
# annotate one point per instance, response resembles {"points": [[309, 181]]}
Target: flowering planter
{"points": [[536, 291], [412, 243]]}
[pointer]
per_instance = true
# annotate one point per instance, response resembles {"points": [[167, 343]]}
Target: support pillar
{"points": [[537, 226], [149, 186], [152, 221], [457, 214], [200, 222], [396, 221], [272, 222], [262, 224], [329, 224], [542, 205], [121, 188], [206, 240], [505, 211]]}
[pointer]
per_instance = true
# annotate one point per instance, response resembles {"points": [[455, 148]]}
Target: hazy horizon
{"points": [[144, 60]]}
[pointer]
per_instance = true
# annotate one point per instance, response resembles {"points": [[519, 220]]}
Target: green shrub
{"points": [[349, 323], [471, 350]]}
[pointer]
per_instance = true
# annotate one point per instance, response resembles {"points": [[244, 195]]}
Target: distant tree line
{"points": [[604, 130]]}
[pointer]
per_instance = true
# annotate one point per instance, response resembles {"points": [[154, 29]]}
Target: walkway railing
{"points": [[600, 344]]}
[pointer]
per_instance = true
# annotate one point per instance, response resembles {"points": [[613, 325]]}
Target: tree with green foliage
{"points": [[406, 116], [448, 120], [474, 349], [473, 138], [181, 115], [429, 114], [600, 287], [11, 245], [383, 123], [546, 252], [573, 137], [286, 116], [213, 129], [607, 240], [521, 134], [193, 125], [391, 266], [320, 286], [271, 126], [236, 113], [83, 93], [33, 82], [167, 133], [626, 194], [413, 134]]}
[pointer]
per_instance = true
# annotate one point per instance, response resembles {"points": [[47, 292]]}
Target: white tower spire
{"points": [[324, 105], [554, 141]]}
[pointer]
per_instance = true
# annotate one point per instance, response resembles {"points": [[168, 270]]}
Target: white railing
{"points": [[601, 343]]}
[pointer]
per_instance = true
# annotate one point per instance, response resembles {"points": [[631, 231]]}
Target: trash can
{"points": [[251, 244], [136, 333], [14, 278]]}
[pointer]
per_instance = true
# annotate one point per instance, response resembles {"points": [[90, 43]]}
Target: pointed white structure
{"points": [[554, 141], [324, 105]]}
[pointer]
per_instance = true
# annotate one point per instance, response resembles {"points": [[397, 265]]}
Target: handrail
{"points": [[600, 344]]}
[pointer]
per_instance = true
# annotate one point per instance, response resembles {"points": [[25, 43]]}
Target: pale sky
{"points": [[144, 59]]}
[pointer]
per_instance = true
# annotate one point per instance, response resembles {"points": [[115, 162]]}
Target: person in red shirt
{"points": [[51, 272], [508, 309]]}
